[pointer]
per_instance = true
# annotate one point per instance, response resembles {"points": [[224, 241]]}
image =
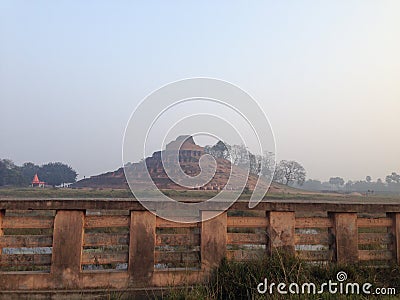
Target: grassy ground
{"points": [[233, 280], [63, 193], [126, 193]]}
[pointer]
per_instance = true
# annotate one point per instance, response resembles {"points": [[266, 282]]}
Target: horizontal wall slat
{"points": [[105, 239], [177, 239], [374, 222], [314, 222], [106, 221], [27, 222], [374, 238], [162, 223], [313, 239], [176, 257], [14, 260], [375, 255], [107, 212], [13, 241], [94, 258], [331, 204], [247, 222], [319, 255], [246, 238], [240, 255]]}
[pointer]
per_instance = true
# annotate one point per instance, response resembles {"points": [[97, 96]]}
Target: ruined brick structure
{"points": [[189, 155]]}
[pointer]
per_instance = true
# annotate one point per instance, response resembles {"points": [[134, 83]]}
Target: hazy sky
{"points": [[326, 73]]}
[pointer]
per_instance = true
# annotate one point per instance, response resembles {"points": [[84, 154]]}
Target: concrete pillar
{"points": [[280, 231], [2, 213], [213, 239], [394, 230], [142, 235], [345, 231], [67, 248]]}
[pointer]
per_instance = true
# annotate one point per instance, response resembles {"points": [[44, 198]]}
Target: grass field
{"points": [[126, 193]]}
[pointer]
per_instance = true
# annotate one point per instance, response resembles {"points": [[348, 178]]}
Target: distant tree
{"points": [[267, 164], [313, 185], [349, 185], [379, 185], [393, 178], [28, 170], [368, 179], [3, 172], [219, 150], [10, 174], [254, 163], [288, 172], [239, 155], [336, 181], [57, 173]]}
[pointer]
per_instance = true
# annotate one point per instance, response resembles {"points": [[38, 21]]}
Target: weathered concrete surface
{"points": [[67, 248], [280, 222], [333, 204], [345, 231], [141, 246], [395, 233], [213, 239], [280, 231]]}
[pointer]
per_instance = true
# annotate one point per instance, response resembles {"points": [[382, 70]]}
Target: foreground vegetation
{"points": [[239, 280]]}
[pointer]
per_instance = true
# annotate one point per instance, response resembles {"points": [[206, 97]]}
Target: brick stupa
{"points": [[189, 155]]}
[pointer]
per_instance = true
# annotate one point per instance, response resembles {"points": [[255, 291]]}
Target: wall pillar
{"points": [[67, 248], [2, 213], [142, 235], [345, 231], [213, 239], [280, 231], [394, 230]]}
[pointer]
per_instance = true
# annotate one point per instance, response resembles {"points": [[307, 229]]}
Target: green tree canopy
{"points": [[10, 174], [57, 173], [54, 173]]}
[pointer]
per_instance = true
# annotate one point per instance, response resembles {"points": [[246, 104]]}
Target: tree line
{"points": [[391, 184], [53, 173], [286, 172], [292, 173]]}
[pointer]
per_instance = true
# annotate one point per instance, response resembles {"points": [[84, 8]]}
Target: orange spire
{"points": [[35, 179]]}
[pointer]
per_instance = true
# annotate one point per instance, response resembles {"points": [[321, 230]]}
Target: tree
{"points": [[255, 163], [313, 185], [57, 173], [288, 172], [368, 179], [267, 164], [349, 185], [239, 155], [337, 181], [393, 178], [219, 150], [28, 170], [10, 174]]}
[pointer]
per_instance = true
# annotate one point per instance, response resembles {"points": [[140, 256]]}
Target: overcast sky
{"points": [[326, 73]]}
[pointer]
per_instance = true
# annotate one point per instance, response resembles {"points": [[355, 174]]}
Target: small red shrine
{"points": [[36, 182]]}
